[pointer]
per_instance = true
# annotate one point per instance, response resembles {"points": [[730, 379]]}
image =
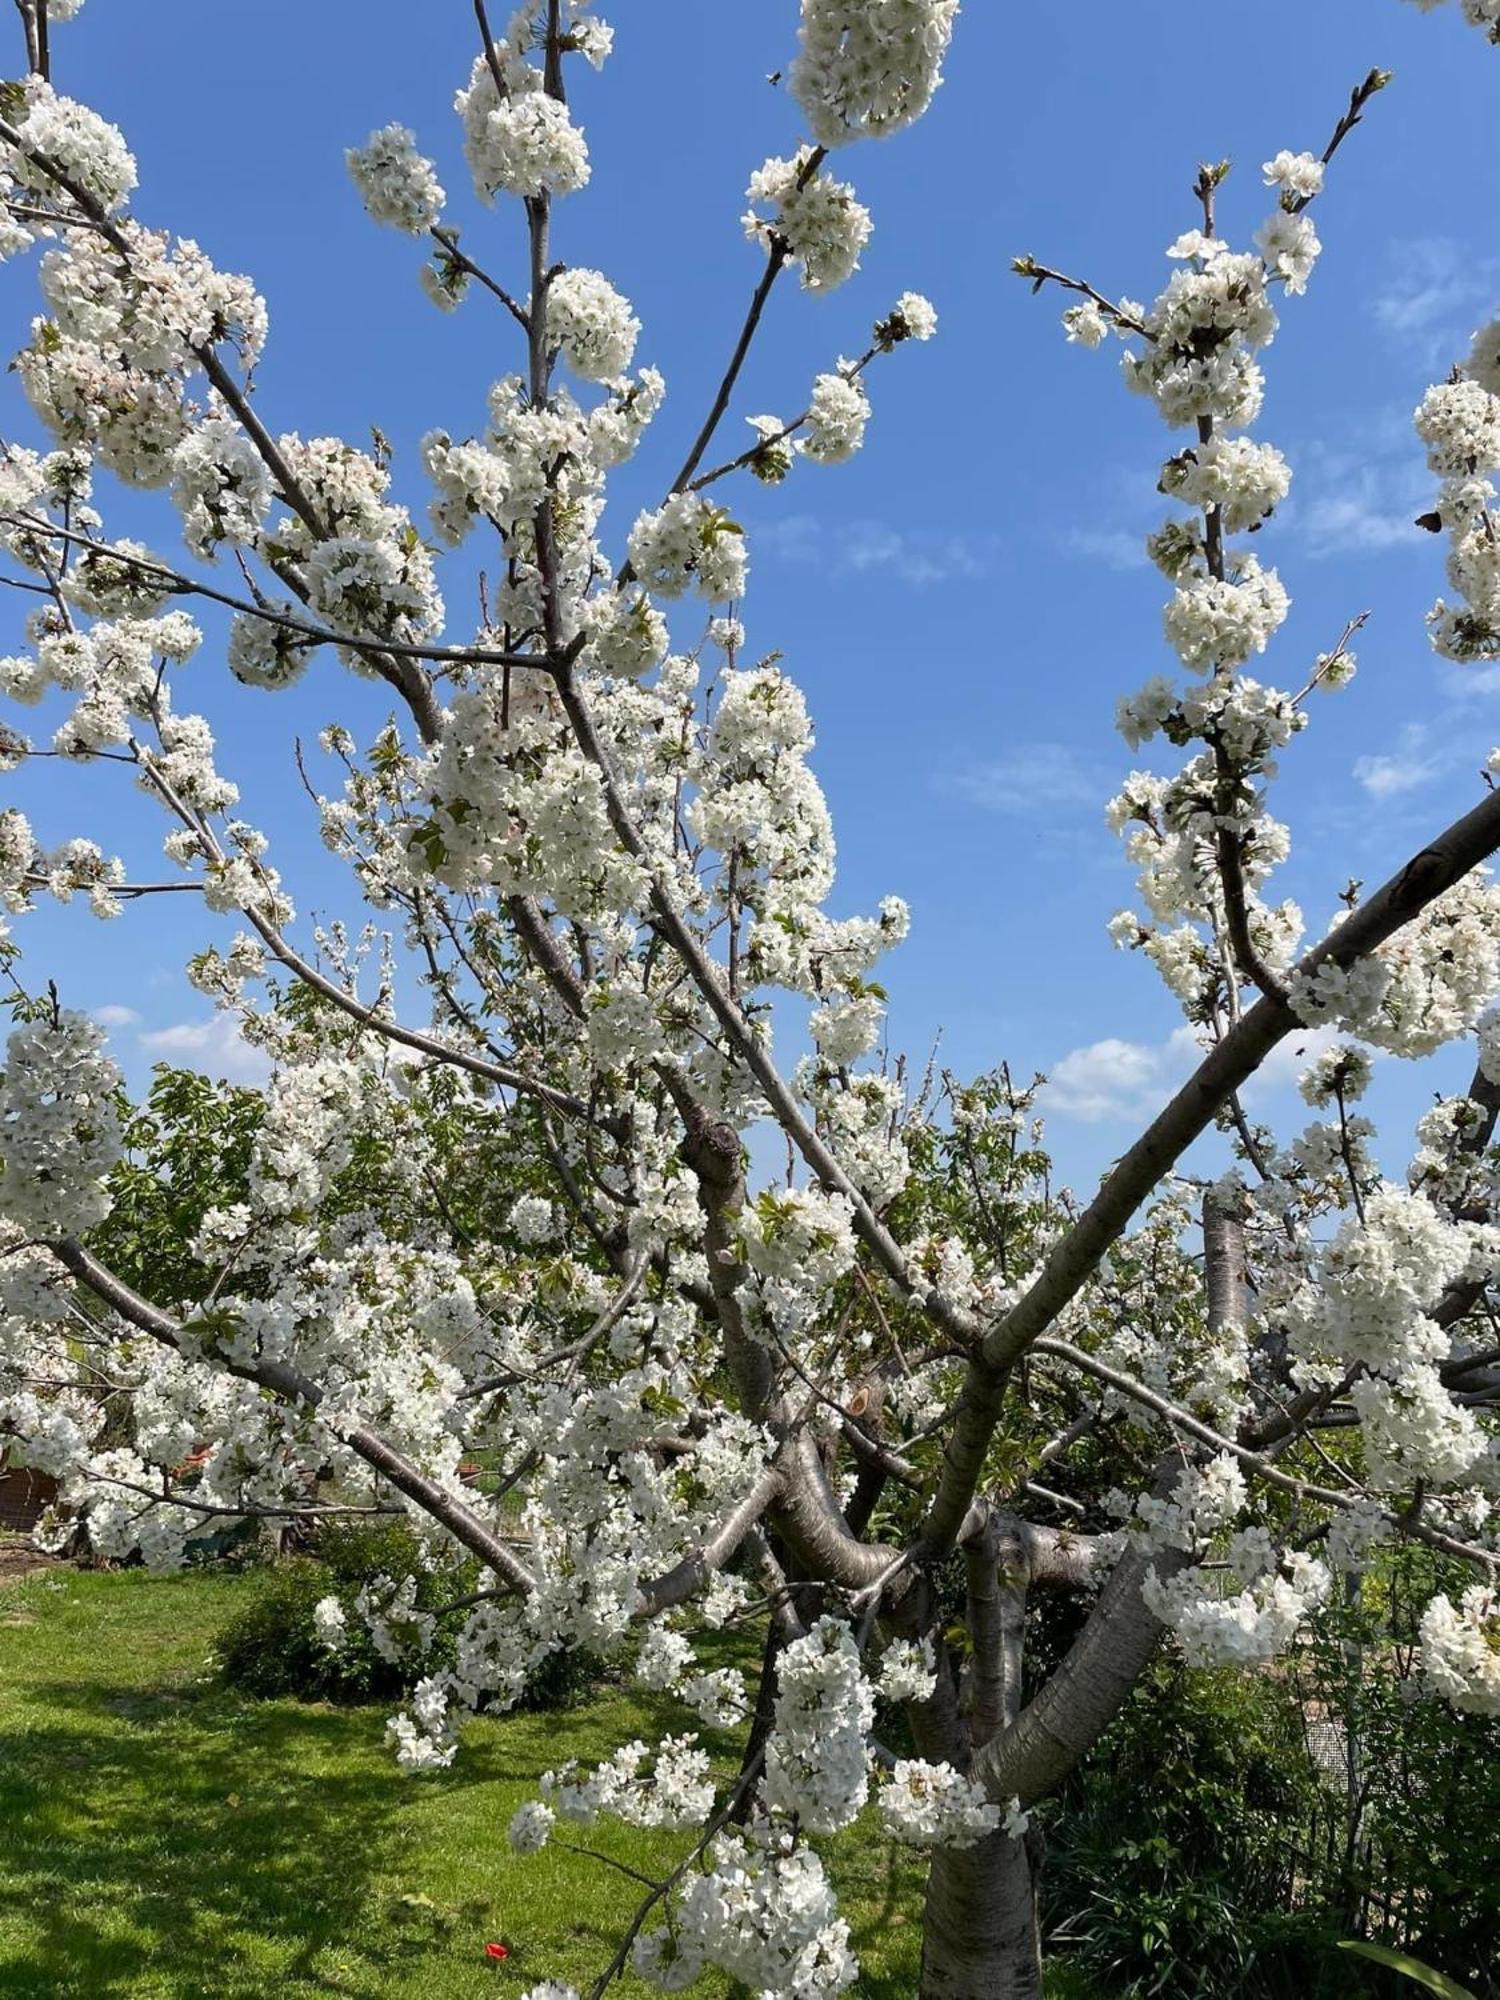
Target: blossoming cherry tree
{"points": [[854, 1414]]}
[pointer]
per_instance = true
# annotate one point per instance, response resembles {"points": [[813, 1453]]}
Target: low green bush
{"points": [[271, 1647], [1168, 1870]]}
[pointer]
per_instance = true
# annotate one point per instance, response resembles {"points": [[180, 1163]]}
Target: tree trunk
{"points": [[980, 1939]]}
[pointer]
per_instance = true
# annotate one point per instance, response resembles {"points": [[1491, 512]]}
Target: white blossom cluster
{"points": [[764, 1913], [908, 1670], [591, 324], [59, 1125], [1461, 1650], [53, 131], [397, 185], [1217, 1625], [869, 72], [932, 1805], [1459, 423], [1431, 984], [817, 217], [817, 1760], [523, 142], [675, 1791]]}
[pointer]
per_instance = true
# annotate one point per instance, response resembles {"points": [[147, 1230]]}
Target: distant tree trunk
{"points": [[980, 1937]]}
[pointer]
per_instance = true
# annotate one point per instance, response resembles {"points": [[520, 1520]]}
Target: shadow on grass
{"points": [[162, 1832], [163, 1838]]}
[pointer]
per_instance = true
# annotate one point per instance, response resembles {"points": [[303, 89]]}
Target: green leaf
{"points": [[1435, 1982]]}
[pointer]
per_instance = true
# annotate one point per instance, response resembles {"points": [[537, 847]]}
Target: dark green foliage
{"points": [[1434, 1807], [1169, 1868], [566, 1680], [271, 1648], [188, 1150], [1425, 1873]]}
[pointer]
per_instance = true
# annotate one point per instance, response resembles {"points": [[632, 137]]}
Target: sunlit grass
{"points": [[164, 1838]]}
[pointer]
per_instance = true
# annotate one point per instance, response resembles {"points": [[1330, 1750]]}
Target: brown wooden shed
{"points": [[24, 1495]]}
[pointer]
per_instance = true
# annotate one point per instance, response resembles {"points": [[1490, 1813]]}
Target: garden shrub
{"points": [[271, 1647], [1168, 1863]]}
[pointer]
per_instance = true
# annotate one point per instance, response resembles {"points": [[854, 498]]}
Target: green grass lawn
{"points": [[164, 1838]]}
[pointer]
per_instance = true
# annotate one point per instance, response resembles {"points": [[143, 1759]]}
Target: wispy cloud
{"points": [[1362, 500], [214, 1046], [116, 1017], [865, 548], [1387, 777], [1422, 753], [1464, 685], [1434, 295], [1032, 779], [1358, 521], [1115, 548]]}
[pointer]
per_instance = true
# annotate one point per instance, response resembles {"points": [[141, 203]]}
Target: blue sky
{"points": [[966, 600]]}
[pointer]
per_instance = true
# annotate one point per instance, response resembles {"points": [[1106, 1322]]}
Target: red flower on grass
{"points": [[496, 1951]]}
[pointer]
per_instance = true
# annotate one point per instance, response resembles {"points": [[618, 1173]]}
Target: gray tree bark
{"points": [[980, 1937]]}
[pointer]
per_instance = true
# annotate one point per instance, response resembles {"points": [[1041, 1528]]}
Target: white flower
{"points": [[908, 1670], [836, 418], [592, 324], [869, 71], [397, 185], [60, 1132], [525, 144], [913, 317], [1461, 1650], [533, 1219], [687, 542], [817, 217], [1298, 175], [1085, 325], [932, 1805], [1210, 623], [1290, 246], [817, 1758], [330, 1623], [529, 1827]]}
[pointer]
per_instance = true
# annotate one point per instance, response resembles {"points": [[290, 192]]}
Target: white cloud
{"points": [[1116, 548], [1117, 1079], [1357, 522], [215, 1046], [1465, 684], [116, 1017], [1034, 779], [1361, 498], [863, 548], [1385, 777]]}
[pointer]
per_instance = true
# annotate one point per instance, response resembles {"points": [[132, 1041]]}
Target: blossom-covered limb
{"points": [[1408, 1522], [780, 251], [174, 583], [286, 1381], [1444, 861]]}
